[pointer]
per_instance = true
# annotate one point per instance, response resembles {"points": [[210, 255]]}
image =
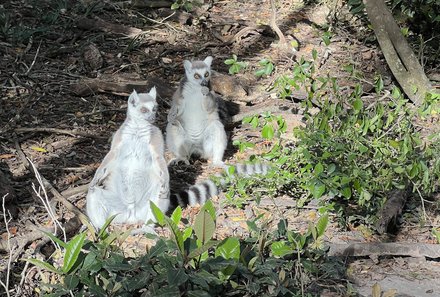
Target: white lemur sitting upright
{"points": [[194, 125], [134, 171]]}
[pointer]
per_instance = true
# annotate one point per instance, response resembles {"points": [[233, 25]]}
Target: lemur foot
{"points": [[176, 161]]}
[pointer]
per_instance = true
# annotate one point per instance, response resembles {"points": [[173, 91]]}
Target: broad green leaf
{"points": [[166, 291], [357, 105], [158, 249], [175, 6], [318, 190], [318, 169], [204, 226], [158, 214], [177, 276], [399, 169], [346, 192], [176, 234], [71, 281], [198, 251], [268, 131], [209, 207], [187, 233], [229, 249], [176, 215], [321, 225], [44, 265], [73, 249], [281, 249]]}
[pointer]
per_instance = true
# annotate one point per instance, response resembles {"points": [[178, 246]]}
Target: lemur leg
{"points": [[177, 144], [96, 208], [214, 143]]}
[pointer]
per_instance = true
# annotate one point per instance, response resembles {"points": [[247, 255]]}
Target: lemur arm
{"points": [[105, 169], [209, 100], [157, 151]]}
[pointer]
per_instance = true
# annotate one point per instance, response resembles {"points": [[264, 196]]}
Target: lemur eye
{"points": [[206, 74], [144, 110], [196, 76]]}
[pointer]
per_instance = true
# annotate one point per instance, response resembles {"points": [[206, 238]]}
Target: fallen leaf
{"points": [[7, 156], [39, 149]]}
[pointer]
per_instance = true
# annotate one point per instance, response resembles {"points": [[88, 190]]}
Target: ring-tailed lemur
{"points": [[134, 171], [194, 125]]}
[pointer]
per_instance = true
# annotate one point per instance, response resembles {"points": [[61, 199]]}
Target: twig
{"points": [[273, 24], [58, 131], [5, 284], [46, 202], [60, 198], [35, 58]]}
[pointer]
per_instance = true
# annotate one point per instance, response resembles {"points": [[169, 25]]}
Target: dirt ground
{"points": [[64, 93]]}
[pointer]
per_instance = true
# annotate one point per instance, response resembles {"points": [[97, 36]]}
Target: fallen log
{"points": [[416, 250]]}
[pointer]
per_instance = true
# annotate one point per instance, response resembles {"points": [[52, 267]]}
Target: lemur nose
{"points": [[204, 83]]}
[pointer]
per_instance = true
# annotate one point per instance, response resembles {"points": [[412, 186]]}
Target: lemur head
{"points": [[198, 72], [143, 106]]}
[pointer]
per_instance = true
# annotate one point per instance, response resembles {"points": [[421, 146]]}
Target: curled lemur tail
{"points": [[205, 190]]}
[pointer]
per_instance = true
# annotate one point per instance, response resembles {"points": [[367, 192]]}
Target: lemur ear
{"points": [[188, 65], [152, 92], [208, 61], [134, 98]]}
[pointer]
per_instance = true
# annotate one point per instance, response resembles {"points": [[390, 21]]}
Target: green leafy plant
{"points": [[351, 153], [191, 262], [266, 68], [235, 66]]}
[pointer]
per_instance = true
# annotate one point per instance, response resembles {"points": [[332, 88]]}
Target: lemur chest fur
{"points": [[195, 117]]}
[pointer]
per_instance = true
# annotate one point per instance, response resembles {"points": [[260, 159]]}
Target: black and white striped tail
{"points": [[205, 190], [196, 194]]}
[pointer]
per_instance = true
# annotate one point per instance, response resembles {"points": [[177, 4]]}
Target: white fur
{"points": [[194, 125], [134, 171]]}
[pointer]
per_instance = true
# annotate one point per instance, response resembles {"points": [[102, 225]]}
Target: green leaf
{"points": [[321, 225], [318, 190], [158, 214], [177, 276], [176, 234], [198, 293], [204, 226], [399, 169], [73, 249], [187, 233], [229, 61], [268, 131], [281, 249], [200, 250], [44, 265], [166, 291], [56, 239], [314, 54], [175, 6], [176, 215], [318, 169], [209, 207], [229, 249], [260, 72], [71, 282], [103, 230], [357, 105], [346, 192]]}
